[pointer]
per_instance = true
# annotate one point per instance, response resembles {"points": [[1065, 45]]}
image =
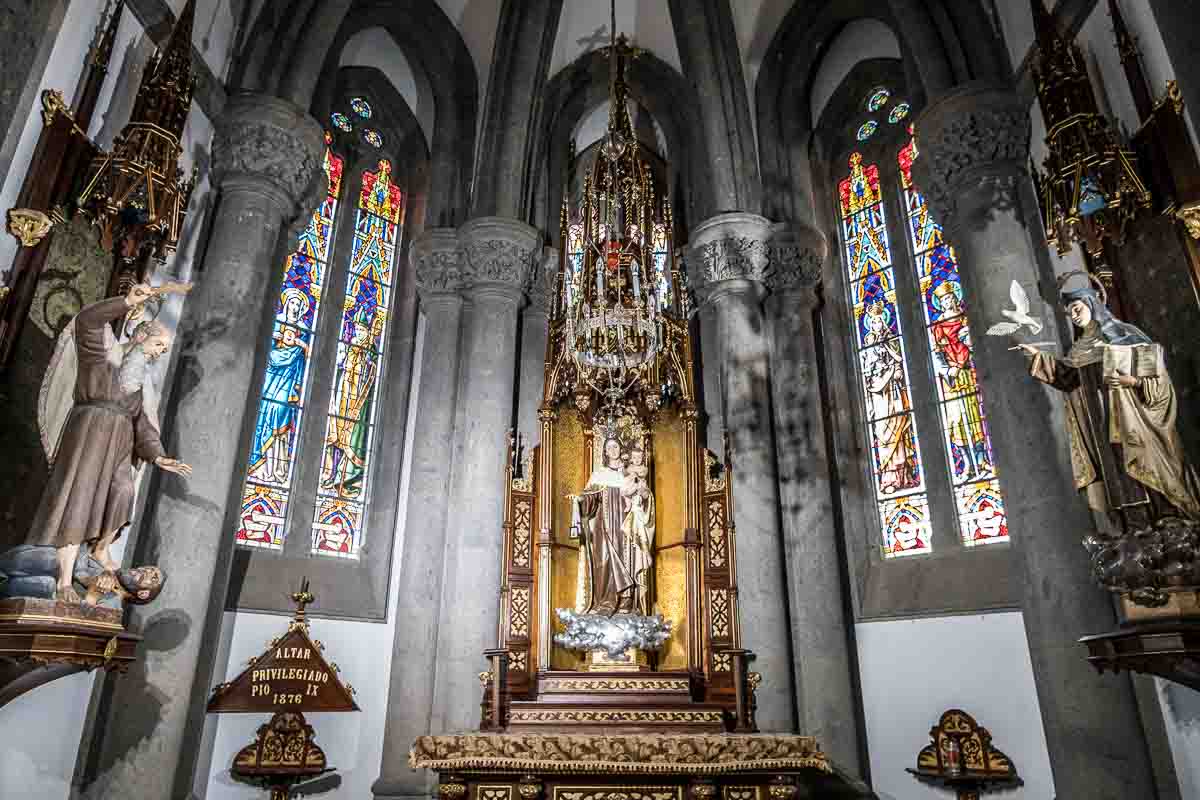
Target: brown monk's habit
{"points": [[107, 434]]}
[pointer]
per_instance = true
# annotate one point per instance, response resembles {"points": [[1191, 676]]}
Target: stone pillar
{"points": [[821, 660], [535, 320], [520, 66], [728, 261], [974, 148], [266, 152], [438, 264], [498, 256], [709, 52]]}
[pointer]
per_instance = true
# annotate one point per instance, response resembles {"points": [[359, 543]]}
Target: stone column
{"points": [[520, 66], [535, 320], [728, 260], [438, 265], [266, 152], [708, 50], [499, 253], [974, 148], [821, 660]]}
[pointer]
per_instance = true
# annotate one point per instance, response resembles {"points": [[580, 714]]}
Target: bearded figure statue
{"points": [[96, 448]]}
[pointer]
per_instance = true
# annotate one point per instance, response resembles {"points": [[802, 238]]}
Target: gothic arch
{"points": [[659, 89], [295, 48], [942, 44]]}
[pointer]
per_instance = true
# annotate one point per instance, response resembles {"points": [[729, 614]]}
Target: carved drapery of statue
{"points": [[1126, 453], [614, 522]]}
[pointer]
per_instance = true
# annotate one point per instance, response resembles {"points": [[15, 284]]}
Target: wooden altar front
{"points": [[631, 767]]}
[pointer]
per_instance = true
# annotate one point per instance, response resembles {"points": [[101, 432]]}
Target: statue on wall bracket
{"points": [[100, 423], [1126, 453]]}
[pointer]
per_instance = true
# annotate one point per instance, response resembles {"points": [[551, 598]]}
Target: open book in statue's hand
{"points": [[1134, 360]]}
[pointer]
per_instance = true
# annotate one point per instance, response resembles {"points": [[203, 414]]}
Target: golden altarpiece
{"points": [[619, 670]]}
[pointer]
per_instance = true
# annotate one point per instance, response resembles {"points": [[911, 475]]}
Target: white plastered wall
{"points": [[912, 670]]}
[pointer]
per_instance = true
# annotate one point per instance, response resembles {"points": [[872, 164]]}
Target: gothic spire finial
{"points": [[168, 82]]}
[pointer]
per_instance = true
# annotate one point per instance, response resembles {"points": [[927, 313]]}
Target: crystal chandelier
{"points": [[618, 289]]}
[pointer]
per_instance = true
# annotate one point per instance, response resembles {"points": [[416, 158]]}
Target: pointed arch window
{"points": [[337, 506], [915, 419], [978, 503], [344, 485], [270, 472]]}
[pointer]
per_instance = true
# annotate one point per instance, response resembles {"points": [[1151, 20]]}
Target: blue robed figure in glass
{"points": [[278, 413]]}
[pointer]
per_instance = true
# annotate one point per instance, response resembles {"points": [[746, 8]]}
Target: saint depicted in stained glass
{"points": [[283, 385], [895, 454], [979, 505], [343, 486], [951, 339], [277, 423]]}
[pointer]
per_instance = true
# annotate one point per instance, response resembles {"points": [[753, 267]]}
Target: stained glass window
{"points": [[866, 130], [896, 466], [373, 137], [978, 502], [662, 269], [574, 259], [898, 112], [361, 107], [878, 98], [341, 121], [269, 475], [344, 485]]}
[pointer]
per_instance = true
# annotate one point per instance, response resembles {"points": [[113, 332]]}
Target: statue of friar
{"points": [[1126, 453], [109, 431]]}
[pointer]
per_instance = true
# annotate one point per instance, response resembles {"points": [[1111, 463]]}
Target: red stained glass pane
{"points": [[264, 511], [861, 189], [981, 513], [337, 528], [906, 528], [380, 196]]}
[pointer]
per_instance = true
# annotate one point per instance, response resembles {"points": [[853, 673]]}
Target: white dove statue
{"points": [[1018, 316]]}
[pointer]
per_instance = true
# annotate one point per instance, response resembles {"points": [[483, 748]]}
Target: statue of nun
{"points": [[1126, 453]]}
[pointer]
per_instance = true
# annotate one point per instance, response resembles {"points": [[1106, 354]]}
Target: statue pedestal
{"points": [[43, 640], [635, 661]]}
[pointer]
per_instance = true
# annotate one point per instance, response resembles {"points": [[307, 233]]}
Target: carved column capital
{"points": [[267, 145], [438, 264], [972, 148], [499, 254], [729, 247], [798, 252], [542, 280]]}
